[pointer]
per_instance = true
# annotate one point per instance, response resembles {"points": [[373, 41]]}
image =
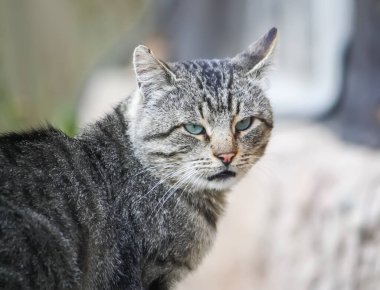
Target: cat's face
{"points": [[201, 124]]}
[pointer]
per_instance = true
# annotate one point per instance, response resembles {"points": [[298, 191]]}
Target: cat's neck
{"points": [[110, 146]]}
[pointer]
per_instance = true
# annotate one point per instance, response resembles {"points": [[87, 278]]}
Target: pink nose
{"points": [[226, 157]]}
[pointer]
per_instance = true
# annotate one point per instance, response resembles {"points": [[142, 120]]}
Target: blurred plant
{"points": [[46, 50]]}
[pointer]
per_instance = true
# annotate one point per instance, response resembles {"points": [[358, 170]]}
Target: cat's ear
{"points": [[154, 77], [257, 56]]}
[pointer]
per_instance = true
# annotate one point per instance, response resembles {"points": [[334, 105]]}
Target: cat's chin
{"points": [[216, 184]]}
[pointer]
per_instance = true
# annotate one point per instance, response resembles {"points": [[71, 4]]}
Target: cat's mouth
{"points": [[225, 174]]}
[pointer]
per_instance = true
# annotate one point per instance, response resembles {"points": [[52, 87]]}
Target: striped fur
{"points": [[132, 202]]}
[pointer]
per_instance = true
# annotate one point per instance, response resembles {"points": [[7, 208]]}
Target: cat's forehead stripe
{"points": [[214, 79], [211, 75], [229, 101]]}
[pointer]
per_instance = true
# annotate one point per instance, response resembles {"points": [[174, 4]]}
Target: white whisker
{"points": [[175, 186], [190, 182], [171, 191], [159, 166], [170, 175]]}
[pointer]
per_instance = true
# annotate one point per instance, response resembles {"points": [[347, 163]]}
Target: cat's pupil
{"points": [[244, 124], [194, 129]]}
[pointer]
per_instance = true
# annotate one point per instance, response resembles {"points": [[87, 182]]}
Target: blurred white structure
{"points": [[313, 36], [307, 72], [308, 66], [103, 91]]}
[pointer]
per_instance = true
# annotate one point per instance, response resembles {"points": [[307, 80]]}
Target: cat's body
{"points": [[83, 216], [133, 201]]}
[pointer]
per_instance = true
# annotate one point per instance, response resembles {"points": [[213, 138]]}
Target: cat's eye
{"points": [[244, 124], [194, 129]]}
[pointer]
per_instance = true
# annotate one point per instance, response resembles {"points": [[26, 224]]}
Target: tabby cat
{"points": [[133, 201]]}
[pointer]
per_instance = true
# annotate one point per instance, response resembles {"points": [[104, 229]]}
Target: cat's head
{"points": [[201, 124]]}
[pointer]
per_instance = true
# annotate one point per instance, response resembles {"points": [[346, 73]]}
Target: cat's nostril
{"points": [[226, 158]]}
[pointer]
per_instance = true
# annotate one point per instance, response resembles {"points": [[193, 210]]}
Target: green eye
{"points": [[244, 124], [194, 129]]}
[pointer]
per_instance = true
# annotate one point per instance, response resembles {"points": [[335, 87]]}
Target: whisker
{"points": [[247, 154], [199, 163], [153, 167], [242, 161], [198, 159], [171, 191], [178, 183], [174, 190], [171, 174], [190, 182], [196, 183]]}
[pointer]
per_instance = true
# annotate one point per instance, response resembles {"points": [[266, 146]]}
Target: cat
{"points": [[133, 201]]}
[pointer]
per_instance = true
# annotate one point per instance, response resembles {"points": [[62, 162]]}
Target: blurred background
{"points": [[308, 214]]}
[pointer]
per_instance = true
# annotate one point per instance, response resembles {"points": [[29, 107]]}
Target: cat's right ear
{"points": [[254, 60], [154, 77]]}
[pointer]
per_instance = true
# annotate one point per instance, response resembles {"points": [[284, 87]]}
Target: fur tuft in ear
{"points": [[258, 55], [153, 75]]}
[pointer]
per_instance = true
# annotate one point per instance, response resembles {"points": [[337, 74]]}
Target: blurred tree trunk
{"points": [[359, 111]]}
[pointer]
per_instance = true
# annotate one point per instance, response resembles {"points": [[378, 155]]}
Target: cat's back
{"points": [[37, 231], [37, 149], [37, 159], [46, 171]]}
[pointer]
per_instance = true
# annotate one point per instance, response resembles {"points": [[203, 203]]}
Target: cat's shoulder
{"points": [[31, 136], [29, 145]]}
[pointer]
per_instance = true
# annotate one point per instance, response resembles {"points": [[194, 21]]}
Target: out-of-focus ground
{"points": [[306, 217]]}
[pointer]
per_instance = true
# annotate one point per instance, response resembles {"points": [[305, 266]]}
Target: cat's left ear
{"points": [[154, 77], [257, 57]]}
